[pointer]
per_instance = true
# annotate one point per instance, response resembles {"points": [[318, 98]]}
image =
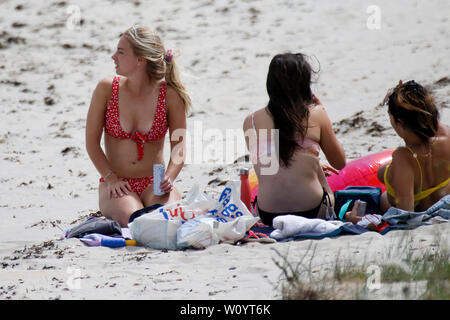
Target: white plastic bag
{"points": [[158, 229], [198, 233], [227, 222], [195, 204], [205, 231], [197, 221], [154, 231], [229, 206]]}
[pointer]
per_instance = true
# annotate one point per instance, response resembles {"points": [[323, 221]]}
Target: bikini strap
{"points": [[115, 87], [162, 95], [426, 193], [389, 188], [420, 167]]}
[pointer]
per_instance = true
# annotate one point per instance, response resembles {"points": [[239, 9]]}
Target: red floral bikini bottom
{"points": [[138, 185]]}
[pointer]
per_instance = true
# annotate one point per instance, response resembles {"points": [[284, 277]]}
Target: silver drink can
{"points": [[362, 208], [158, 176]]}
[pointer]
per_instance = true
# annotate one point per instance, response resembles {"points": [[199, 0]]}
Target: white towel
{"points": [[289, 225]]}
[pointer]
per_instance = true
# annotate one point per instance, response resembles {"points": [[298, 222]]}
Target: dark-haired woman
{"points": [[419, 173], [284, 139]]}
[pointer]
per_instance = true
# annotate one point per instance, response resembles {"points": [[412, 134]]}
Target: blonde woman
{"points": [[135, 110]]}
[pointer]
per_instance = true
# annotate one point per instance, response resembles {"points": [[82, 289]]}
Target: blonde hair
{"points": [[147, 44]]}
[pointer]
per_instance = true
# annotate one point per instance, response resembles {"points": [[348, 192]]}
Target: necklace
{"points": [[415, 154]]}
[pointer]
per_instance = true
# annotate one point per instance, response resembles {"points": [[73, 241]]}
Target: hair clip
{"points": [[168, 56], [388, 96]]}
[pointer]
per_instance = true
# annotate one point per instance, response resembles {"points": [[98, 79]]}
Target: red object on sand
{"points": [[246, 192], [361, 172], [358, 172]]}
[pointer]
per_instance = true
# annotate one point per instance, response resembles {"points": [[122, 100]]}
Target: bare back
{"points": [[436, 168], [298, 187]]}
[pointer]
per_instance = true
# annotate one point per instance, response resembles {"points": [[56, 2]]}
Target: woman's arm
{"points": [[94, 129], [94, 126], [329, 143], [177, 134], [401, 177]]}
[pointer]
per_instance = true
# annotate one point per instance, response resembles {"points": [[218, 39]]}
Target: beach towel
{"points": [[346, 228], [393, 219], [290, 227], [402, 219]]}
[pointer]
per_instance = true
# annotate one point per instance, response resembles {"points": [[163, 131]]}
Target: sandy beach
{"points": [[52, 55]]}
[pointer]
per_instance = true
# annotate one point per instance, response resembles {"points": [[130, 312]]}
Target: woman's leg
{"points": [[118, 209], [148, 198], [384, 203]]}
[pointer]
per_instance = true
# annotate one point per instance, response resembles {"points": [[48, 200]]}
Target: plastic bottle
{"points": [[117, 242], [246, 193]]}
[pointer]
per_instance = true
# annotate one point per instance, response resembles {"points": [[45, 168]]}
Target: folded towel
{"points": [[289, 225]]}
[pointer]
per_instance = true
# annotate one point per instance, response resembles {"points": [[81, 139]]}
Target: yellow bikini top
{"points": [[421, 194]]}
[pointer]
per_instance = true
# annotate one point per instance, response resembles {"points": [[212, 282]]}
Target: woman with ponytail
{"points": [[135, 109], [419, 174], [290, 131]]}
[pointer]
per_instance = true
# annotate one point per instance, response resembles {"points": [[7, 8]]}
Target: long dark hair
{"points": [[288, 85], [414, 106]]}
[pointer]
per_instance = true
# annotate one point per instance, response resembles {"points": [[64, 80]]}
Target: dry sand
{"points": [[48, 71]]}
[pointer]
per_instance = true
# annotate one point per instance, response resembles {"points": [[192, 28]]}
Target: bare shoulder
{"points": [[317, 113], [400, 153], [260, 116], [402, 157], [173, 99], [442, 142], [101, 94], [317, 108], [247, 122], [104, 86], [106, 82]]}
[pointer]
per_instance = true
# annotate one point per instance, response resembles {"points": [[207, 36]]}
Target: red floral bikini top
{"points": [[156, 132]]}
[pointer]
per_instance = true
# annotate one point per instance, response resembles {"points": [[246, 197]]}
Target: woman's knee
{"points": [[149, 198], [120, 209], [384, 203], [122, 217]]}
